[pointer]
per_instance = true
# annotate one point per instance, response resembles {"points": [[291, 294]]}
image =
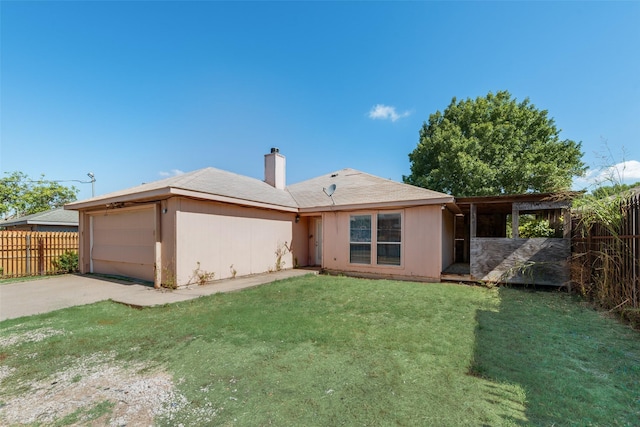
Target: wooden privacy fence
{"points": [[32, 253], [606, 262]]}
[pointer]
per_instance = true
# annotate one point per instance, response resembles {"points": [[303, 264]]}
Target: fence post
{"points": [[635, 257], [28, 243], [40, 256]]}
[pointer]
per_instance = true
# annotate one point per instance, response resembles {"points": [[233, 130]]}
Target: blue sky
{"points": [[136, 91]]}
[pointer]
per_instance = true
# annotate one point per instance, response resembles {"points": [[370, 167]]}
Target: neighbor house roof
{"points": [[353, 189], [57, 216]]}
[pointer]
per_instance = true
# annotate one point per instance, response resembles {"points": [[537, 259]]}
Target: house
{"points": [[211, 221], [51, 220]]}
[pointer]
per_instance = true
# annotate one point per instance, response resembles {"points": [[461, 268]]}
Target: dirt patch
{"points": [[30, 336], [135, 398]]}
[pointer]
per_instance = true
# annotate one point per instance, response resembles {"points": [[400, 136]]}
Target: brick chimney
{"points": [[274, 169]]}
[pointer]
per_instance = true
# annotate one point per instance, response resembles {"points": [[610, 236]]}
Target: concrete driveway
{"points": [[53, 293]]}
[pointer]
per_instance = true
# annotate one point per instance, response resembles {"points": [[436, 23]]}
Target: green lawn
{"points": [[323, 351]]}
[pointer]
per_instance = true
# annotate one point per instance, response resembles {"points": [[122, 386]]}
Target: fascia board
{"points": [[158, 194], [167, 192], [52, 223], [231, 200], [384, 205]]}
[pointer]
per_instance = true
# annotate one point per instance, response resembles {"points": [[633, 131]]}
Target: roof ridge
{"points": [[188, 177], [354, 187]]}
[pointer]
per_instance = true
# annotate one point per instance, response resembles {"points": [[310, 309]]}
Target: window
{"points": [[360, 239], [389, 239]]}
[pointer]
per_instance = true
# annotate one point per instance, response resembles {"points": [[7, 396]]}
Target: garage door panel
{"points": [[138, 271], [125, 219], [128, 254], [123, 237], [123, 243]]}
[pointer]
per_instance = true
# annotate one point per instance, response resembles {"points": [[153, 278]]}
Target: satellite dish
{"points": [[329, 191]]}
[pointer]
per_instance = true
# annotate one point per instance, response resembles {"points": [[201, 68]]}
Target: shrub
{"points": [[202, 277], [66, 263], [536, 228]]}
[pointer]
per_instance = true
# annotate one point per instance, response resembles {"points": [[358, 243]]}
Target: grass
{"points": [[575, 366], [22, 279], [320, 350], [83, 416]]}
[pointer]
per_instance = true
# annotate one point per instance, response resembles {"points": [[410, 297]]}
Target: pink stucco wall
{"points": [[223, 238], [448, 242], [422, 236]]}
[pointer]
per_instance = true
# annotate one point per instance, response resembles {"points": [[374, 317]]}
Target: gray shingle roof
{"points": [[57, 216], [353, 188], [358, 188], [209, 181]]}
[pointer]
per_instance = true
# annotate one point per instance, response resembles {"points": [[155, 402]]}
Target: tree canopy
{"points": [[493, 145], [612, 190], [20, 195]]}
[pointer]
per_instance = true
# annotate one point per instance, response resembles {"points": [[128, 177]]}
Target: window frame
{"points": [[389, 244], [373, 253], [358, 242]]}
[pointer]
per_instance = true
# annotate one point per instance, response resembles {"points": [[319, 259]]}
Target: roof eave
{"points": [[13, 224], [447, 201], [231, 200], [145, 196], [164, 193], [68, 224]]}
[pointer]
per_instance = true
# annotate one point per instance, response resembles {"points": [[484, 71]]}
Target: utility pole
{"points": [[93, 184]]}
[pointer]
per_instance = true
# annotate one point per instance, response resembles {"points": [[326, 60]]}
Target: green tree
{"points": [[493, 145], [611, 190], [20, 195]]}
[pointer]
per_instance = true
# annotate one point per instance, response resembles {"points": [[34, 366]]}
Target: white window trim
{"points": [[370, 242], [374, 239]]}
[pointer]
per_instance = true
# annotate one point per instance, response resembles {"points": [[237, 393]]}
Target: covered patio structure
{"points": [[488, 246]]}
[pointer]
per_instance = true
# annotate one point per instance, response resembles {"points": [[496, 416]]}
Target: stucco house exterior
{"points": [[214, 221]]}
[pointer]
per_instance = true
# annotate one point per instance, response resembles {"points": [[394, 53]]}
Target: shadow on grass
{"points": [[573, 366]]}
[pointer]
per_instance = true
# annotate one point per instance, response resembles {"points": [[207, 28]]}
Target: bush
{"points": [[536, 228], [66, 263]]}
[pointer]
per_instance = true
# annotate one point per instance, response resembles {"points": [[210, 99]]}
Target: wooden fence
{"points": [[32, 253], [606, 264]]}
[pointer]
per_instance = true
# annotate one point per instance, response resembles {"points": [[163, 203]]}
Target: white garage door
{"points": [[123, 243]]}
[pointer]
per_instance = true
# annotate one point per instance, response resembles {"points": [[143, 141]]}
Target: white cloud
{"points": [[621, 173], [386, 112], [172, 172]]}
